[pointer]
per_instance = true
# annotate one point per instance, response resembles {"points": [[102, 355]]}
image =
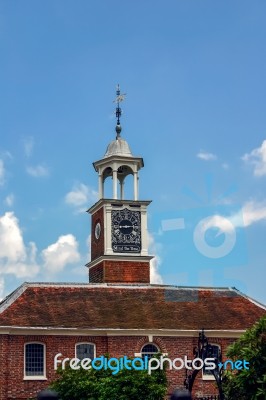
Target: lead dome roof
{"points": [[118, 147]]}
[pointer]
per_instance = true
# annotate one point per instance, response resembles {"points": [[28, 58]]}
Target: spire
{"points": [[118, 161], [119, 98]]}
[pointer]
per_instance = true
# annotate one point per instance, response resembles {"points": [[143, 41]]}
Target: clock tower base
{"points": [[126, 270]]}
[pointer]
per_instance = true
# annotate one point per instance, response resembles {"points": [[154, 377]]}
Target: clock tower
{"points": [[119, 236]]}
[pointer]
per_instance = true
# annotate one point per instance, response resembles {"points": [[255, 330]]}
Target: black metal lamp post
{"points": [[47, 394], [203, 351]]}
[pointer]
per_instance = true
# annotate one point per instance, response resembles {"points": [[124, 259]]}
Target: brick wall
{"points": [[96, 274], [97, 246], [179, 347], [120, 271], [4, 361], [12, 385]]}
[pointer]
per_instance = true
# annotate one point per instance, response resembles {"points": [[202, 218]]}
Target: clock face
{"points": [[126, 231], [97, 230]]}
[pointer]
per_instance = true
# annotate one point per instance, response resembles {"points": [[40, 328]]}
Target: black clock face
{"points": [[126, 231]]}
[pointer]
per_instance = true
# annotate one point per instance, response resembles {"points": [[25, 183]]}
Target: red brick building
{"points": [[119, 311], [119, 319]]}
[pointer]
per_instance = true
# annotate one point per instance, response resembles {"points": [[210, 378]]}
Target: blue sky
{"points": [[194, 74]]}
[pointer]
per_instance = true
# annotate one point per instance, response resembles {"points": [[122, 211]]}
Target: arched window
{"points": [[149, 350], [214, 353], [85, 350], [34, 360]]}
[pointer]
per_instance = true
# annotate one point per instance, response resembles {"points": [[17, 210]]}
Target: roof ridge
{"points": [[127, 285], [13, 296]]}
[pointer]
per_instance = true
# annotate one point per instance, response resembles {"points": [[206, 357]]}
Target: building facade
{"points": [[119, 311]]}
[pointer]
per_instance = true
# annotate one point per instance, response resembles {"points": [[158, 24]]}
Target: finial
{"points": [[119, 98]]}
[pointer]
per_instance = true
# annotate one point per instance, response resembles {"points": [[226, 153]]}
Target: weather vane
{"points": [[119, 98]]}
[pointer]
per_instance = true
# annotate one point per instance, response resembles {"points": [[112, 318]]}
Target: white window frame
{"points": [[93, 344], [210, 377], [35, 377]]}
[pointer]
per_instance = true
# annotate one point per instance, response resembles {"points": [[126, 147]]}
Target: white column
{"points": [[122, 189], [144, 231], [135, 186], [107, 230], [114, 184], [100, 186]]}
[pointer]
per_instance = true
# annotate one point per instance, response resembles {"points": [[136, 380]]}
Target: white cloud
{"points": [[88, 243], [257, 158], [254, 212], [59, 254], [28, 144], [204, 155], [27, 267], [225, 166], [38, 171], [155, 276], [15, 257], [79, 270], [251, 213], [2, 287], [2, 173], [9, 200], [12, 246], [154, 247], [80, 196], [20, 260]]}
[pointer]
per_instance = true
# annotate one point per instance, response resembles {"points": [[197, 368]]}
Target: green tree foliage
{"points": [[103, 385], [248, 384]]}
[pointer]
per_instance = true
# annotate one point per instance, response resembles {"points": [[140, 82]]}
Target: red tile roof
{"points": [[106, 306]]}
